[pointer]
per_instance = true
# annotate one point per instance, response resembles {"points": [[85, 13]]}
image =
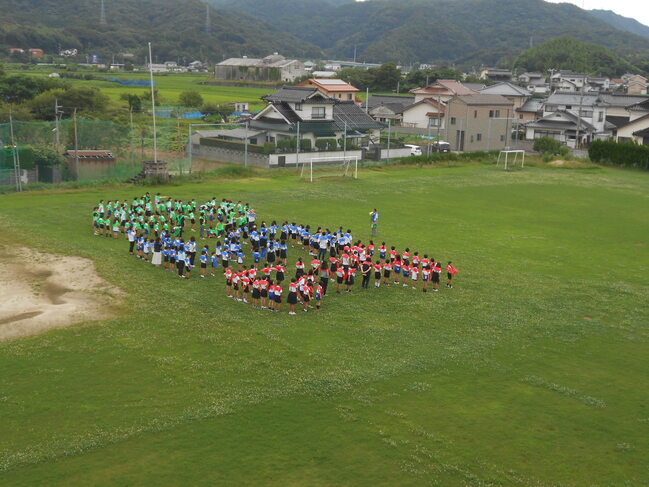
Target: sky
{"points": [[636, 9]]}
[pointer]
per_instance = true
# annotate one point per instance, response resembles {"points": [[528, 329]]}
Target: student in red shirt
{"points": [[256, 294], [292, 297], [387, 268], [349, 278], [340, 277], [306, 296], [414, 275], [299, 268], [319, 295], [278, 297], [377, 273], [450, 272], [437, 270]]}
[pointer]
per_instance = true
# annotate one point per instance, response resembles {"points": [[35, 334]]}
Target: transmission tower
{"points": [[102, 14], [208, 23]]}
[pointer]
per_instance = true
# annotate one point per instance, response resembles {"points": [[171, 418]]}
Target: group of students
{"points": [[154, 228]]}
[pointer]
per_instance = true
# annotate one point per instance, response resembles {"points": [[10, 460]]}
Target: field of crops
{"points": [[533, 370]]}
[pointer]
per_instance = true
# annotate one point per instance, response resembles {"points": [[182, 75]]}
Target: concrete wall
{"points": [[222, 154], [395, 153], [290, 159]]}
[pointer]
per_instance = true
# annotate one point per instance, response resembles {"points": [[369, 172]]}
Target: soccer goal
{"points": [[514, 160], [338, 166]]}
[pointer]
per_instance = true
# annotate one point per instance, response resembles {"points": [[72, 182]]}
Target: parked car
{"points": [[441, 146], [415, 150]]}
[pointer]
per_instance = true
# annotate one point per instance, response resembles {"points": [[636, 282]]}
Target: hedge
{"points": [[620, 153]]}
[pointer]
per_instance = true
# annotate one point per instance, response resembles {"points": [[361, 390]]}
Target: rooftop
{"points": [[505, 89], [296, 94], [485, 100], [444, 87]]}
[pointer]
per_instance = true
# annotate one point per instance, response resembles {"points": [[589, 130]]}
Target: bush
{"points": [[548, 145], [305, 145], [620, 153], [286, 145], [326, 144], [269, 147]]}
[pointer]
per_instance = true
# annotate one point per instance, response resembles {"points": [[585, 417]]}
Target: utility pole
{"points": [[581, 101], [16, 156], [155, 136], [76, 146], [389, 133], [57, 115], [297, 146]]}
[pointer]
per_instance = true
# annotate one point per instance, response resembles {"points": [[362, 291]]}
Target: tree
{"points": [[81, 98], [213, 109], [387, 77], [190, 99], [134, 101]]}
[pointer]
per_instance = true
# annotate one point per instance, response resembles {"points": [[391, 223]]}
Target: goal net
{"points": [[329, 166]]}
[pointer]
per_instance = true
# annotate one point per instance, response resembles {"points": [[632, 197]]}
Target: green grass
{"points": [[532, 371], [169, 87]]}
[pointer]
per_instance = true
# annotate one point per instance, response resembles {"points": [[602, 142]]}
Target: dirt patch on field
{"points": [[43, 291]]}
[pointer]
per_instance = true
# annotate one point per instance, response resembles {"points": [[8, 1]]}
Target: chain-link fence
{"points": [[87, 150]]}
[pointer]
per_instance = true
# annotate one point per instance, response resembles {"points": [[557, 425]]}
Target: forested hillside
{"points": [[466, 32], [176, 28], [569, 53]]}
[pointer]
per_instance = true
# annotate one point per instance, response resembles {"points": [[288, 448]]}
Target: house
{"points": [[531, 78], [567, 115], [598, 83], [496, 74], [271, 68], [16, 50], [294, 112], [479, 122], [637, 128], [530, 111], [315, 115], [618, 107], [430, 102], [333, 88], [388, 107], [197, 67], [474, 86], [426, 113], [566, 80], [442, 90], [635, 87], [36, 53], [513, 93]]}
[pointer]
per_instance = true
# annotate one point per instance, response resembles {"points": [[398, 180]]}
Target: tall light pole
{"points": [[155, 135]]}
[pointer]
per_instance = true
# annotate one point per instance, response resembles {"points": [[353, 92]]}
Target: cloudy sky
{"points": [[636, 9]]}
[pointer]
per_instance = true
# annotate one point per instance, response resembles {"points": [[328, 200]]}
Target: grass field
{"points": [[169, 87], [533, 370]]}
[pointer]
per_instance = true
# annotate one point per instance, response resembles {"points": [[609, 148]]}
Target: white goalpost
{"points": [[349, 166], [516, 154]]}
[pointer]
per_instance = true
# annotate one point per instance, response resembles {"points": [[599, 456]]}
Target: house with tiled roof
{"points": [[442, 90], [637, 128], [426, 113], [304, 110], [333, 88], [430, 103], [388, 107], [513, 93]]}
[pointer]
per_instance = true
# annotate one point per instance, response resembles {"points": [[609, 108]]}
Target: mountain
{"points": [[623, 23], [569, 53], [466, 32], [175, 27]]}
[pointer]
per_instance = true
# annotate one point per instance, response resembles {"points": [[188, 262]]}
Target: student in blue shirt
{"points": [[215, 263], [203, 261], [256, 256]]}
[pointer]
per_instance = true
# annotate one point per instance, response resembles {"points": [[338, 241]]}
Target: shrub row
{"points": [[479, 156], [620, 153]]}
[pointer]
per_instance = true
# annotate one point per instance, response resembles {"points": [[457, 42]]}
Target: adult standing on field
{"points": [[374, 221]]}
